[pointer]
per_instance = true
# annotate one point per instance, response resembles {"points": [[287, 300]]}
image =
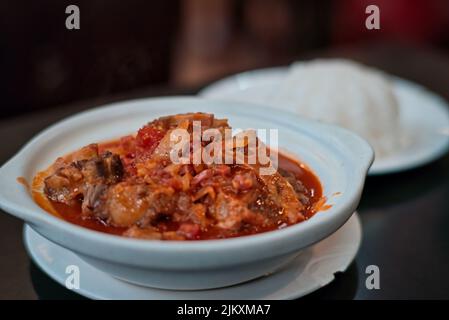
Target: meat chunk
{"points": [[124, 204], [65, 185], [231, 213], [281, 193], [298, 186], [107, 169], [93, 197], [207, 120], [88, 152], [84, 177], [244, 181], [127, 203]]}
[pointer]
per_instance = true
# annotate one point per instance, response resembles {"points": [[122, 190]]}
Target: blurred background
{"points": [[130, 46], [137, 48]]}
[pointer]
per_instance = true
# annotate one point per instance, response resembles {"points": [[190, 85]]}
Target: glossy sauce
{"points": [[73, 214]]}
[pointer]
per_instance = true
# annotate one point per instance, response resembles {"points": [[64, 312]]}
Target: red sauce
{"points": [[308, 179], [73, 214]]}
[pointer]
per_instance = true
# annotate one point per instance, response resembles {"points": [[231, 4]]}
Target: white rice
{"points": [[347, 94]]}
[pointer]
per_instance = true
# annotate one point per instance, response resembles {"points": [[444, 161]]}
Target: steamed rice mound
{"points": [[347, 94]]}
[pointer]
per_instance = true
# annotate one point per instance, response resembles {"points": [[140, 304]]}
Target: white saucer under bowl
{"points": [[424, 116], [312, 269]]}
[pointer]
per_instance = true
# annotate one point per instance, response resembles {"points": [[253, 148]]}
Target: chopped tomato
{"points": [[148, 137]]}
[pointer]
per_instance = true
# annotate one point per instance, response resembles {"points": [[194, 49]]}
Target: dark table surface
{"points": [[405, 216]]}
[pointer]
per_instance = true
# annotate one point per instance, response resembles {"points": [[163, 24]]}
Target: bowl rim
{"points": [[173, 246]]}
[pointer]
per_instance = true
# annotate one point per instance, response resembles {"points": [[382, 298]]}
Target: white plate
{"points": [[424, 115], [312, 269]]}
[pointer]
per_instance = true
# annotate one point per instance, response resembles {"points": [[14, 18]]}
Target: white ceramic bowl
{"points": [[339, 158]]}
